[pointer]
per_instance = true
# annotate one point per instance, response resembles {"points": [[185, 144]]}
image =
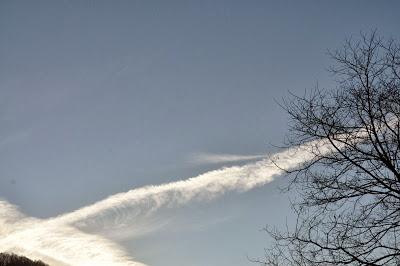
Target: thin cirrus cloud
{"points": [[56, 243], [218, 158], [62, 238]]}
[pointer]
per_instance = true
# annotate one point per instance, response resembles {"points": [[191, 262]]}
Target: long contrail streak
{"points": [[125, 207], [61, 238]]}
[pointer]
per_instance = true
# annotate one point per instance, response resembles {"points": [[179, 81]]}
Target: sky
{"points": [[101, 97]]}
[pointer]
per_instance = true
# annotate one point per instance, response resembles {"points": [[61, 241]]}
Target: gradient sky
{"points": [[98, 97]]}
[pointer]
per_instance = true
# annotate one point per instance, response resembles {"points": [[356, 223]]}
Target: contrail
{"points": [[55, 243], [124, 208], [211, 158], [63, 237]]}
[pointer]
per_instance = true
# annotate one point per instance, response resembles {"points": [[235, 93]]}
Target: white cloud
{"points": [[213, 158], [74, 238]]}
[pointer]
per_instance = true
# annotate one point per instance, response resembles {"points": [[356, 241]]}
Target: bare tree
{"points": [[348, 210], [7, 259]]}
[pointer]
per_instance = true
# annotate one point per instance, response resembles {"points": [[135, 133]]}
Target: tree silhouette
{"points": [[7, 259], [348, 212]]}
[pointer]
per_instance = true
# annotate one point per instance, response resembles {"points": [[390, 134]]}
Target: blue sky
{"points": [[98, 97]]}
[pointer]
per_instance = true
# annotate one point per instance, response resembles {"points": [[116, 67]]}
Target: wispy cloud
{"points": [[215, 158], [57, 243], [62, 238], [67, 246]]}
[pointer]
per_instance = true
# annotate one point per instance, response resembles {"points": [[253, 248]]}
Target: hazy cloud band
{"points": [[62, 237]]}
